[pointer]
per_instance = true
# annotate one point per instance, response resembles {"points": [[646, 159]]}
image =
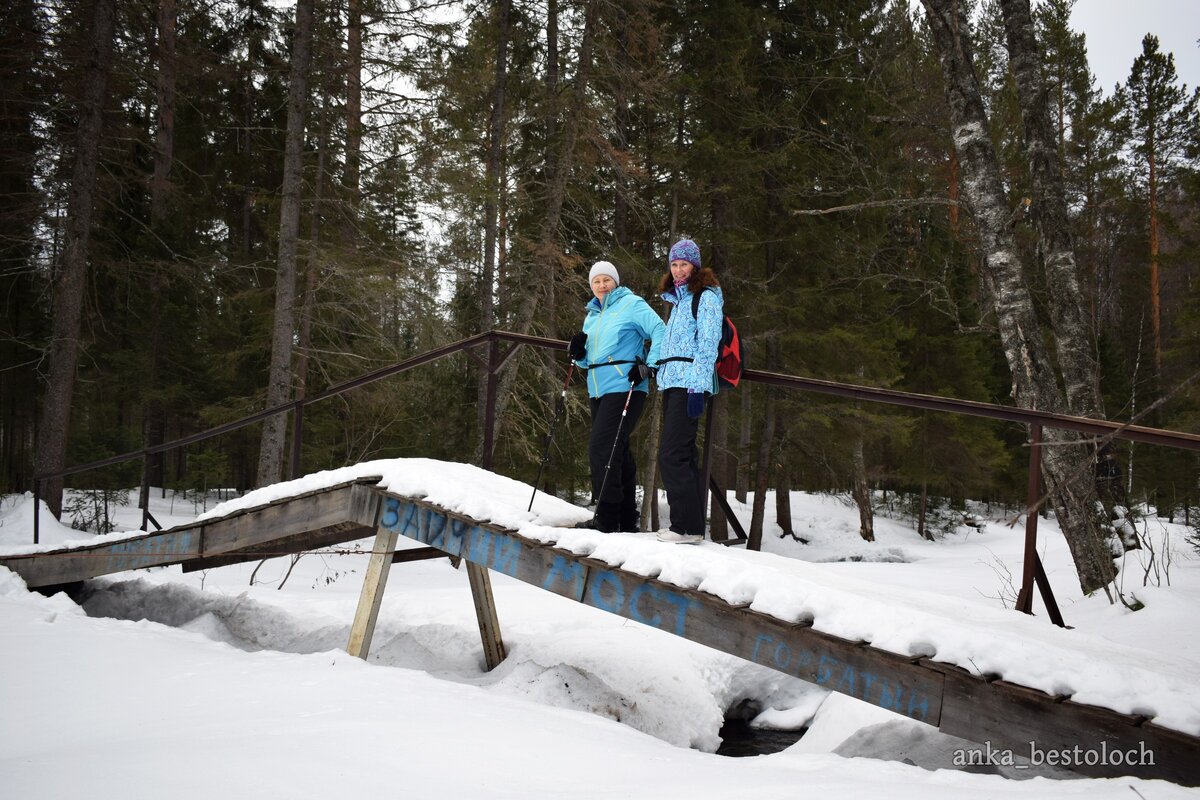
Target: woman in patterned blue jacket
{"points": [[686, 377], [612, 348]]}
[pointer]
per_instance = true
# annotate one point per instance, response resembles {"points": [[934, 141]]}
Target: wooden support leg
{"points": [[372, 592], [485, 612]]}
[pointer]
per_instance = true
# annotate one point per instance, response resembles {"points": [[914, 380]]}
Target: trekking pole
{"points": [[616, 439], [558, 412]]}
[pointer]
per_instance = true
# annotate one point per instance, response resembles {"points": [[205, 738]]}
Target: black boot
{"points": [[608, 517], [631, 518]]}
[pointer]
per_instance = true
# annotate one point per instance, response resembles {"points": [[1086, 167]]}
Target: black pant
{"points": [[677, 462], [617, 510]]}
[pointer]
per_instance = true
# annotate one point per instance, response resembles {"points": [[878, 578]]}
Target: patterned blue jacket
{"points": [[697, 339], [617, 332]]}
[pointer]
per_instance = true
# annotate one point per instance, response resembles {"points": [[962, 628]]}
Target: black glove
{"points": [[639, 373], [578, 346], [695, 404]]}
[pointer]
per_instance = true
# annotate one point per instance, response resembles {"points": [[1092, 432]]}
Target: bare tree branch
{"points": [[899, 201]]}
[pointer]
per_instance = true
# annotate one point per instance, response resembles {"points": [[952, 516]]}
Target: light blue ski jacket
{"points": [[695, 338], [617, 332]]}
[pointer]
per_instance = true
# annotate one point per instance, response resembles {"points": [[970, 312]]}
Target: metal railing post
{"points": [[37, 508], [144, 492], [706, 463], [1025, 596], [489, 409]]}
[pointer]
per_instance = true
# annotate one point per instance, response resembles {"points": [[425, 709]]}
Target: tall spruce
{"points": [[71, 271], [22, 319]]}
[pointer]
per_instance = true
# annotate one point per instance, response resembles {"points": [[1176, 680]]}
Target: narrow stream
{"points": [[739, 739]]}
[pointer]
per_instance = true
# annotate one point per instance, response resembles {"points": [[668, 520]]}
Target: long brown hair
{"points": [[698, 280]]}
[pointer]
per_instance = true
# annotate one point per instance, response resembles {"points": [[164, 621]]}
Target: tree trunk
{"points": [[353, 101], [783, 498], [548, 255], [718, 526], [164, 139], [742, 470], [154, 414], [552, 88], [1068, 468], [1073, 337], [311, 273], [622, 129], [953, 193], [19, 211], [253, 29], [1155, 302], [71, 277], [550, 121], [493, 186], [862, 493], [922, 529], [549, 250], [279, 382], [762, 473]]}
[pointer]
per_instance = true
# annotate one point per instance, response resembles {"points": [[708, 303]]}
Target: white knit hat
{"points": [[604, 268]]}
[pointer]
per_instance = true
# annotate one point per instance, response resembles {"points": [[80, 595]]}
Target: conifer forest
{"points": [[212, 208]]}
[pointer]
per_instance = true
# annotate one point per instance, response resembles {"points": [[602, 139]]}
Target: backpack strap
{"points": [[609, 364], [695, 315], [696, 302]]}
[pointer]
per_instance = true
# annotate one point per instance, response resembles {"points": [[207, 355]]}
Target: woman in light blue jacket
{"points": [[686, 377], [612, 348]]}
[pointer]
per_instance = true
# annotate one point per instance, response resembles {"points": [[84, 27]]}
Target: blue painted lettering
{"points": [[846, 684], [782, 656], [481, 541], [682, 604], [506, 553], [804, 659], [568, 572], [825, 668], [411, 520], [635, 605], [608, 578], [889, 698], [458, 532], [391, 513], [435, 529], [760, 640]]}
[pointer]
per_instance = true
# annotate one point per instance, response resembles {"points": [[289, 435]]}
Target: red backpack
{"points": [[731, 358]]}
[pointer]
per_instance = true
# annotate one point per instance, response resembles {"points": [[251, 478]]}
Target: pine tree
{"points": [[1162, 119]]}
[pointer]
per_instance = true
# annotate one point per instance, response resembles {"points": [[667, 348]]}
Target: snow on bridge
{"points": [[974, 671]]}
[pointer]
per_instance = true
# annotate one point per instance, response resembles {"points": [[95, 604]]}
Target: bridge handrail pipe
{"points": [[1097, 427]]}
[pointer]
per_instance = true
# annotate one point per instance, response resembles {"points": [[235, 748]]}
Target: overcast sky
{"points": [[1115, 28]]}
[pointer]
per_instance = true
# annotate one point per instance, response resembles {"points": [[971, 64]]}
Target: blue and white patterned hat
{"points": [[685, 250]]}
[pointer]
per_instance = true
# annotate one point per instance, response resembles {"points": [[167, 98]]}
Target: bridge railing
{"points": [[496, 360]]}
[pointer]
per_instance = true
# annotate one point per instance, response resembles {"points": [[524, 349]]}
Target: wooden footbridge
{"points": [[1003, 715]]}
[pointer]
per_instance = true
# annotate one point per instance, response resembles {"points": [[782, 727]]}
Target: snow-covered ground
{"points": [[211, 684]]}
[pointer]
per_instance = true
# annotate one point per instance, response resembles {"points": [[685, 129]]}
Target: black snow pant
{"points": [[617, 510], [677, 464]]}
